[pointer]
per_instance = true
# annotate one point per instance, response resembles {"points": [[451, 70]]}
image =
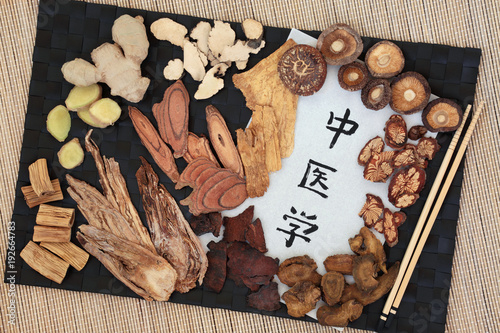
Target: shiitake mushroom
{"points": [[384, 60], [353, 76], [376, 94], [442, 115], [340, 44], [410, 93]]}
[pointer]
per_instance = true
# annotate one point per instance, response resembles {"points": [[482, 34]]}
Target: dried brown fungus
{"points": [[384, 60], [410, 93], [353, 76], [376, 94], [442, 115], [340, 44]]}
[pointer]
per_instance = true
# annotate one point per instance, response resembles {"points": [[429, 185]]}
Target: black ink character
{"points": [[311, 227], [319, 173], [341, 129]]}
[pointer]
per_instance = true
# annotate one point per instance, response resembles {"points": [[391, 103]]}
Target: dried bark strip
{"points": [[33, 200], [55, 216], [44, 262], [154, 144], [198, 146], [39, 177]]}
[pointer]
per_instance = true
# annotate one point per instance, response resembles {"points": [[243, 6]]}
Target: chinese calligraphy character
{"points": [[319, 177], [295, 227], [341, 129]]}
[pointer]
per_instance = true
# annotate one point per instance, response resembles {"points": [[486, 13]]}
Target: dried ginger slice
{"points": [[261, 85], [372, 209], [375, 145], [263, 119]]}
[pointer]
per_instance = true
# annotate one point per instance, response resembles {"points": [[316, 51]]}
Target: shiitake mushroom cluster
{"points": [[344, 302]]}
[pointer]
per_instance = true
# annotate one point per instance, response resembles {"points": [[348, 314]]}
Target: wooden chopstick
{"points": [[437, 208], [421, 221]]}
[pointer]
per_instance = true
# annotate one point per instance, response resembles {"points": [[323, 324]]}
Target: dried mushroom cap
{"points": [[428, 147], [372, 209], [379, 168], [340, 44], [340, 315], [407, 181], [375, 145], [353, 76], [302, 69], [332, 285], [396, 134], [301, 298], [442, 115], [297, 269], [416, 132], [410, 93], [384, 60], [365, 242], [364, 272], [376, 94]]}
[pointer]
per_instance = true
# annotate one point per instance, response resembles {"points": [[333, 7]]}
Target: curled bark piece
{"points": [[222, 141], [145, 273], [172, 236], [172, 115], [198, 146], [154, 144]]}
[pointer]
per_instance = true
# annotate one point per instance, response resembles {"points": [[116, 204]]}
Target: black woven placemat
{"points": [[74, 29]]}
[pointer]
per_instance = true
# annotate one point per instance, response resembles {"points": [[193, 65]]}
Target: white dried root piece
{"points": [[200, 34], [254, 31], [59, 123], [212, 82], [105, 111], [193, 63], [239, 51], [220, 36], [174, 70], [81, 97], [71, 154], [169, 30]]}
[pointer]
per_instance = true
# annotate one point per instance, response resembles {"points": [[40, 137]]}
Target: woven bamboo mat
{"points": [[475, 286]]}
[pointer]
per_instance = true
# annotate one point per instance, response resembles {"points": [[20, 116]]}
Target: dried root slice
{"points": [[341, 263], [297, 269], [379, 168], [198, 147], [59, 123], [266, 299], [43, 233], [442, 115], [39, 177], [200, 34], [372, 209], [301, 298], [44, 262], [302, 69], [364, 272], [405, 157], [254, 31], [364, 243], [340, 315], [105, 111], [174, 70], [71, 154], [416, 132], [172, 115], [388, 225], [193, 61], [332, 286], [264, 121], [376, 94], [240, 51], [396, 133], [340, 44], [33, 200], [169, 30], [353, 76], [69, 252], [82, 97], [384, 60], [410, 93], [220, 36], [212, 83], [55, 216], [428, 147], [223, 143], [86, 117], [374, 146], [407, 181]]}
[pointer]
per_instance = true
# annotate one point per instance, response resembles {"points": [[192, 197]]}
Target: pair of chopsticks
{"points": [[419, 237]]}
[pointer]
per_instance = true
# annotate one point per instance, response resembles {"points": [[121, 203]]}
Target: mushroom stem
{"points": [[409, 95], [384, 60], [353, 76], [337, 46], [376, 93]]}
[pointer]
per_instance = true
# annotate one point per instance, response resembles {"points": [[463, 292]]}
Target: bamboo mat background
{"points": [[475, 287]]}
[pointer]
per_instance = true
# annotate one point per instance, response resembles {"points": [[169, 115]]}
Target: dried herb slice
{"points": [[372, 209], [267, 298], [375, 145], [396, 134], [416, 132], [379, 168], [406, 181], [428, 147]]}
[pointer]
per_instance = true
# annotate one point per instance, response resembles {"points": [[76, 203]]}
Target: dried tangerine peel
{"points": [[340, 44], [376, 94], [379, 168], [353, 76], [396, 134], [302, 69], [442, 115], [410, 93], [384, 60], [375, 145], [372, 209], [428, 147], [261, 85]]}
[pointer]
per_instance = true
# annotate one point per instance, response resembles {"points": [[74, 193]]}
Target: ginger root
{"points": [[71, 154], [105, 112], [81, 97], [59, 122], [119, 69]]}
